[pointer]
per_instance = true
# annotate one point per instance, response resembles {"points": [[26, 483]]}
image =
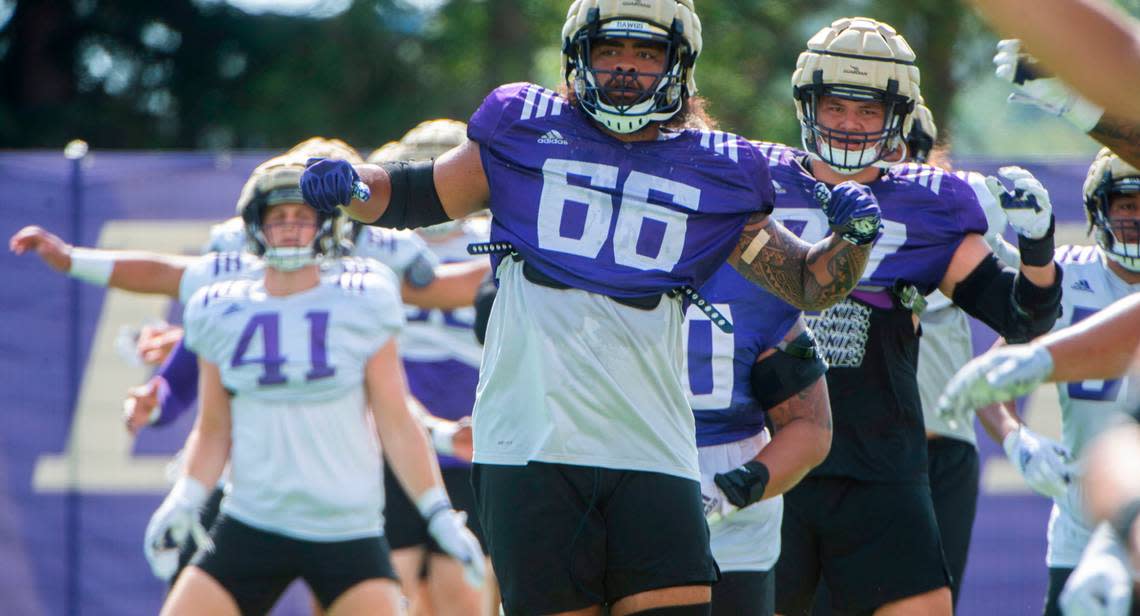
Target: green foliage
{"points": [[203, 74]]}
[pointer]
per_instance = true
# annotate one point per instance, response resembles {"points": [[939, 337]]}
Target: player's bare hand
{"points": [[157, 341], [462, 442], [54, 251], [140, 404]]}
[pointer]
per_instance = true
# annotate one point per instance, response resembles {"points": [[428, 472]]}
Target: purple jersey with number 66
{"points": [[869, 340], [619, 219]]}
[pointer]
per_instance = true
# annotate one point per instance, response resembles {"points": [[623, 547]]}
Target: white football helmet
{"points": [[1120, 239], [673, 23], [856, 58]]}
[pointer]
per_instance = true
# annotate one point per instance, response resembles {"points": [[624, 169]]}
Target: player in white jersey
{"points": [[946, 346], [291, 363], [1097, 276]]}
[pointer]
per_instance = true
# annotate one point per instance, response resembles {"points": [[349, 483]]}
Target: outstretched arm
{"points": [[454, 286], [424, 193], [140, 272], [1073, 38]]}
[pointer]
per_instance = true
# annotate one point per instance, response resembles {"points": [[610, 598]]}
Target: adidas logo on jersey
{"points": [[553, 137], [1082, 285]]}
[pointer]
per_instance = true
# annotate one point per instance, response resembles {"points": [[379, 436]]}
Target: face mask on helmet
{"points": [[861, 60], [1119, 238], [616, 99], [276, 185]]}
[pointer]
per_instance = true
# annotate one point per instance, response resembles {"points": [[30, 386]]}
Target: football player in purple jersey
{"points": [[609, 204], [863, 519], [762, 413]]}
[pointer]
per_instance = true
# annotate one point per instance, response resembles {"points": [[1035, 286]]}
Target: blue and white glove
{"points": [[1027, 206], [1049, 94], [996, 376], [1101, 585], [1041, 461], [175, 520], [327, 183], [852, 211], [449, 529]]}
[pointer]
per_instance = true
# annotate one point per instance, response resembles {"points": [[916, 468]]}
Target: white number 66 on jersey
{"points": [[635, 208]]}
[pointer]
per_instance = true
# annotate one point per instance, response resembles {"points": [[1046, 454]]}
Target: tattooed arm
{"points": [[807, 276], [1120, 136]]}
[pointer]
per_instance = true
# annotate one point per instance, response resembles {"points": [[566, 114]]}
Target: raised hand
{"points": [[48, 246], [852, 211], [1027, 205], [1031, 86], [327, 183]]}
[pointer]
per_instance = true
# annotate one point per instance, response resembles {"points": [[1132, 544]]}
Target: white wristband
{"points": [[92, 266], [1083, 114], [432, 501]]}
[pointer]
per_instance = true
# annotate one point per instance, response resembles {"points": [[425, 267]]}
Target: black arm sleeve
{"points": [[1008, 302], [792, 368], [414, 202]]}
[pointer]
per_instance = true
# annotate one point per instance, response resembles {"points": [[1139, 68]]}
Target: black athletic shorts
{"points": [[954, 488], [745, 593], [565, 537], [404, 527], [873, 543], [256, 566]]}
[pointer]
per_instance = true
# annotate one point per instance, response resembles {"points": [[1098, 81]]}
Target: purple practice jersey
{"points": [[620, 219], [869, 340], [719, 365]]}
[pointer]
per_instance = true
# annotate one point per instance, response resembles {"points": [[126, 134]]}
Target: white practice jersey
{"points": [[304, 459], [216, 267], [575, 377], [227, 236], [401, 250], [747, 539], [438, 335], [1087, 407], [946, 345]]}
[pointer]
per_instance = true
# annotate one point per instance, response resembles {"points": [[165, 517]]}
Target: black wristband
{"points": [[1038, 302], [744, 485], [1125, 519], [1037, 253]]}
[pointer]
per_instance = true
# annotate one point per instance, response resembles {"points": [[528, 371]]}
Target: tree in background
{"points": [[204, 74]]}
